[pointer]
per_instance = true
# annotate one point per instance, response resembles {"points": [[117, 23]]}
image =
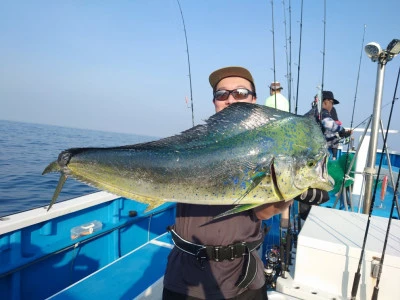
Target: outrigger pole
{"points": [[188, 59], [375, 52]]}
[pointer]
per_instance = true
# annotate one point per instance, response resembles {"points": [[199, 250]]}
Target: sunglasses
{"points": [[238, 94]]}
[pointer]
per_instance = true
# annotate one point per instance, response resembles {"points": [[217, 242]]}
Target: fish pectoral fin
{"points": [[59, 187], [237, 209], [255, 180]]}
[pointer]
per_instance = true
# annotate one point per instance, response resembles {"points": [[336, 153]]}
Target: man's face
{"points": [[232, 83], [327, 104]]}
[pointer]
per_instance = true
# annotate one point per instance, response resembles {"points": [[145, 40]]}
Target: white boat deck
{"points": [[328, 252]]}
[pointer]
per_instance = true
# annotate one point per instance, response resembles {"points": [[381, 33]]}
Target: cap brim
{"points": [[220, 74]]}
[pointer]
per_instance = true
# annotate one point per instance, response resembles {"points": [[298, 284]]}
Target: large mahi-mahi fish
{"points": [[245, 154]]}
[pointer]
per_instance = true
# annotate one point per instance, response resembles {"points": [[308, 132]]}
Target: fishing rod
{"points": [[273, 45], [292, 234], [323, 51], [358, 78], [378, 279], [188, 59], [352, 116], [320, 100], [357, 275], [288, 70], [298, 66], [297, 95], [376, 288], [290, 55]]}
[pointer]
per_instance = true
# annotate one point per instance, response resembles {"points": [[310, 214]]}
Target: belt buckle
{"points": [[201, 254], [233, 252], [240, 248], [216, 252]]}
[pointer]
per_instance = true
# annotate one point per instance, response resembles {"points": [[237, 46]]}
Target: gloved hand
{"points": [[313, 197], [345, 133]]}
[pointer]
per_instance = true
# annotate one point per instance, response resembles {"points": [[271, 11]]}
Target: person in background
{"points": [[276, 99], [217, 259], [330, 123]]}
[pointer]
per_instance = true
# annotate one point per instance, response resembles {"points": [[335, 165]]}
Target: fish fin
{"points": [[255, 180], [60, 184], [52, 167], [153, 203], [237, 209]]}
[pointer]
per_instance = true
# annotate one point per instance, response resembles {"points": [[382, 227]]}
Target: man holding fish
{"points": [[244, 165], [216, 258]]}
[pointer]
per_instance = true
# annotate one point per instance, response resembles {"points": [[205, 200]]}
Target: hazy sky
{"points": [[122, 65]]}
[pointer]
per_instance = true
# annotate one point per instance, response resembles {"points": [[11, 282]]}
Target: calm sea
{"points": [[26, 149]]}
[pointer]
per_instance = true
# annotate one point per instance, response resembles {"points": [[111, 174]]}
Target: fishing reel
{"points": [[272, 267]]}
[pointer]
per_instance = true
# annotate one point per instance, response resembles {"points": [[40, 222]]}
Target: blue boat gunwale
{"points": [[34, 216], [41, 241]]}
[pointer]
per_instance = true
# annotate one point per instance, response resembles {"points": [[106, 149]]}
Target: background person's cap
{"points": [[220, 74], [275, 86], [329, 95]]}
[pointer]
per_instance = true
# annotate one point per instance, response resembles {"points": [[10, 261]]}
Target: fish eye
{"points": [[311, 163]]}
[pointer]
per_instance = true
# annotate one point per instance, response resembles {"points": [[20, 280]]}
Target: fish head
{"points": [[301, 162], [292, 176]]}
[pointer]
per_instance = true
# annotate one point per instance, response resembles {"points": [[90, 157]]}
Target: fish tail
{"points": [[53, 167], [60, 184]]}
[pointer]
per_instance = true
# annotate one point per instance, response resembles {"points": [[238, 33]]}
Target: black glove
{"points": [[345, 133], [313, 197]]}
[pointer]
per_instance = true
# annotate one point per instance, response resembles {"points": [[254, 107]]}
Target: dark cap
{"points": [[220, 74], [275, 86], [329, 95]]}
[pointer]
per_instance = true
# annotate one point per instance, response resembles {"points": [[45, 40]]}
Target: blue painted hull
{"points": [[39, 259]]}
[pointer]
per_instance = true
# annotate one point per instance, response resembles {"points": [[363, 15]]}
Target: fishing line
{"points": [[188, 59], [362, 122], [369, 117], [298, 66], [357, 275]]}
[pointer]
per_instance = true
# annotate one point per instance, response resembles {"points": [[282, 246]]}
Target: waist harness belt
{"points": [[220, 253]]}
